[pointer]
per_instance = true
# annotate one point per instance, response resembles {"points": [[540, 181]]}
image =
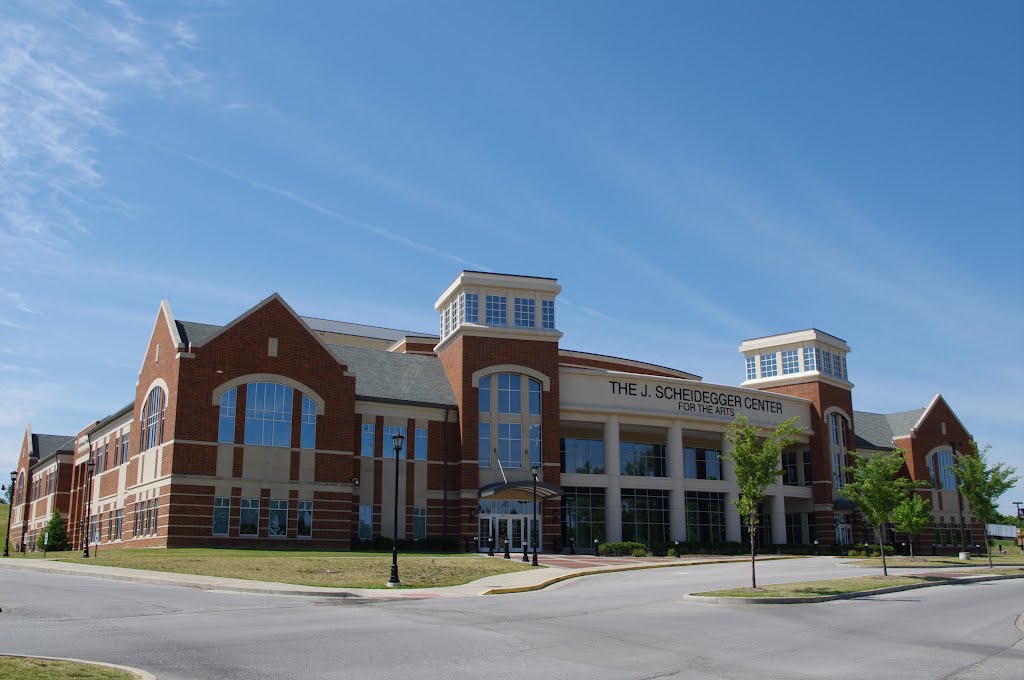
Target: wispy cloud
{"points": [[17, 301], [62, 66], [10, 324]]}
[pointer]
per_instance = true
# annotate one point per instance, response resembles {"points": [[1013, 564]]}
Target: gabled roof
{"points": [[395, 376], [195, 333], [46, 446], [877, 430]]}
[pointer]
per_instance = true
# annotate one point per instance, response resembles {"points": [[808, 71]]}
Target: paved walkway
{"points": [[558, 568]]}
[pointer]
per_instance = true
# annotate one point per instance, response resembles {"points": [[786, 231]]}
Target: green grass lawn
{"points": [[25, 668], [331, 569], [1011, 558]]}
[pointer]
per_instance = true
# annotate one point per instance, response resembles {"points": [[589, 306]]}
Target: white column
{"points": [[732, 515], [612, 495], [677, 495], [778, 511]]}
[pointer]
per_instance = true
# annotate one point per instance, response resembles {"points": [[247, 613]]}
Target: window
{"points": [[96, 528], [794, 528], [268, 414], [585, 456], [419, 524], [547, 313], [535, 445], [645, 516], [124, 448], [278, 525], [471, 308], [421, 443], [496, 310], [790, 361], [846, 376], [705, 517], [249, 519], [110, 525], [790, 469], [304, 519], [826, 362], [99, 469], [221, 513], [763, 538], [365, 522], [307, 433], [810, 359], [837, 365], [389, 444], [366, 440], [136, 531], [153, 518], [152, 420], [484, 445], [226, 427], [583, 516], [751, 368], [118, 523], [534, 397], [808, 469], [484, 391], [702, 463], [769, 365], [510, 442], [525, 312], [510, 398], [837, 430], [940, 470], [638, 459]]}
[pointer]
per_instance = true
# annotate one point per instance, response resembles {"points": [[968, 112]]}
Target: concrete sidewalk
{"points": [[557, 568]]}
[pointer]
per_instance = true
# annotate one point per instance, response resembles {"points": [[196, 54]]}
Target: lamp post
{"points": [[534, 529], [393, 582], [89, 468], [10, 511]]}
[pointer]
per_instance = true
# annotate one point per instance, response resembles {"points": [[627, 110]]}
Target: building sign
{"points": [[680, 398]]}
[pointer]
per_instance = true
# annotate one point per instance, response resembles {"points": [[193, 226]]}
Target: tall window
{"points": [[484, 445], [838, 443], [124, 448], [769, 365], [584, 456], [637, 459], [790, 469], [365, 522], [471, 307], [419, 524], [389, 447], [705, 517], [510, 442], [249, 521], [268, 414], [702, 463], [535, 389], [525, 312], [421, 443], [118, 524], [846, 376], [152, 420], [547, 313], [221, 515], [304, 519], [226, 428], [810, 359], [826, 362], [278, 525], [510, 399], [808, 469], [583, 516], [940, 470], [484, 392], [751, 368], [790, 361], [535, 444], [496, 311], [307, 434], [837, 365], [645, 515], [366, 439]]}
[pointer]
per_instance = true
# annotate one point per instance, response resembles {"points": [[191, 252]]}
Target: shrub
{"points": [[621, 549], [640, 552], [55, 534]]}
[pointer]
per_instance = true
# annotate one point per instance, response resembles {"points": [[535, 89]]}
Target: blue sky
{"points": [[693, 173]]}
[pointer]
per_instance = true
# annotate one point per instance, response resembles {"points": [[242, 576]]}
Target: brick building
{"points": [[276, 430]]}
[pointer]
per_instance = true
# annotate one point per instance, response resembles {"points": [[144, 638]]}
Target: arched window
{"points": [[153, 414], [226, 426], [940, 470], [838, 428], [307, 438], [20, 491], [513, 415], [268, 414]]}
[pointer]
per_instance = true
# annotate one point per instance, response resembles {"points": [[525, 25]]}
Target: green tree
{"points": [[757, 460], [982, 484], [878, 487], [55, 534], [911, 517]]}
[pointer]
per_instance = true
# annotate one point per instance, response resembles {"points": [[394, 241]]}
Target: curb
{"points": [[849, 596], [962, 565], [139, 673], [612, 570]]}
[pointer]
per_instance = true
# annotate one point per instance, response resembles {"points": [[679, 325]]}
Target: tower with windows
{"points": [[812, 364]]}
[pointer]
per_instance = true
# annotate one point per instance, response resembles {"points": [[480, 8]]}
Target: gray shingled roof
{"points": [[877, 430], [195, 332], [358, 329], [393, 376], [45, 446]]}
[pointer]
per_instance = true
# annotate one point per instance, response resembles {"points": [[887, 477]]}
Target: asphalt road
{"points": [[626, 625]]}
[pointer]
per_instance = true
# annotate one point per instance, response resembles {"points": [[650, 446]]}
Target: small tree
{"points": [[757, 461], [877, 488], [55, 534], [982, 485], [911, 516]]}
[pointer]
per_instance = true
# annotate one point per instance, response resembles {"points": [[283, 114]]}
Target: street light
{"points": [[534, 529], [10, 511], [89, 468], [397, 441]]}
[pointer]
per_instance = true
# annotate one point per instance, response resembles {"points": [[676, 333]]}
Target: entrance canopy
{"points": [[519, 491]]}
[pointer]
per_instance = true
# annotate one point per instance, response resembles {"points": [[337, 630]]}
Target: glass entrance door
{"points": [[502, 527], [516, 533]]}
